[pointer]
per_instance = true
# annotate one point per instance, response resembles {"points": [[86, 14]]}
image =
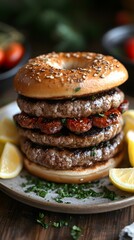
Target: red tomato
{"points": [[129, 48], [13, 54], [50, 126], [108, 118], [79, 125], [2, 57], [123, 17]]}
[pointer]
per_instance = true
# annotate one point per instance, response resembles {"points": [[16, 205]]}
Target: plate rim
{"points": [[41, 203]]}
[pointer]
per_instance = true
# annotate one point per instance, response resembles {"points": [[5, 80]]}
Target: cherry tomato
{"points": [[50, 126], [13, 54], [129, 48], [25, 121], [106, 119], [79, 125], [2, 57], [123, 17]]}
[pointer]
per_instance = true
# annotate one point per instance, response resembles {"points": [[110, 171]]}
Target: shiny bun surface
{"points": [[66, 75]]}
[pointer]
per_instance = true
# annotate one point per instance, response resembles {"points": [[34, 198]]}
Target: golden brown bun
{"points": [[78, 175], [58, 75]]}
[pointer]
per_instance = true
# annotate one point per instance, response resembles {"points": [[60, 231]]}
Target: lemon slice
{"points": [[128, 117], [8, 131], [1, 147], [129, 112], [122, 178], [11, 161], [130, 140]]}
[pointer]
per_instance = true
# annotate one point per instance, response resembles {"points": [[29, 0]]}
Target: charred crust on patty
{"points": [[76, 107], [70, 140], [57, 158]]}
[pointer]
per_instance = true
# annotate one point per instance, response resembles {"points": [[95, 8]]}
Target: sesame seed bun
{"points": [[66, 75]]}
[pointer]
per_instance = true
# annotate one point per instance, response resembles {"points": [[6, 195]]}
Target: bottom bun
{"points": [[77, 175]]}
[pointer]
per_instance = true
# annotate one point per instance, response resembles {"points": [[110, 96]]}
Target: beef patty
{"points": [[70, 140], [64, 159], [74, 108]]}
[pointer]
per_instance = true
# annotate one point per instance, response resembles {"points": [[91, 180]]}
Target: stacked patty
{"points": [[73, 133]]}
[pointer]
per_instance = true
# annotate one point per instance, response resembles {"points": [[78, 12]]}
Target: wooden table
{"points": [[18, 221]]}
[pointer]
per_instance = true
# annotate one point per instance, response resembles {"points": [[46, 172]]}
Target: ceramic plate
{"points": [[15, 189]]}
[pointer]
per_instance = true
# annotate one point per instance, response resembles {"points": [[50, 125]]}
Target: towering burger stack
{"points": [[71, 123]]}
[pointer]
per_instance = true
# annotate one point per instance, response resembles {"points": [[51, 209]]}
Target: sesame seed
{"points": [[51, 77], [88, 57], [68, 55], [84, 76], [95, 75], [76, 55], [102, 76]]}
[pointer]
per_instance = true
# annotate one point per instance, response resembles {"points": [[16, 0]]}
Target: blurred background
{"points": [[65, 25]]}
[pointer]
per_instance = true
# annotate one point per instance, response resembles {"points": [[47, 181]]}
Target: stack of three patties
{"points": [[74, 138]]}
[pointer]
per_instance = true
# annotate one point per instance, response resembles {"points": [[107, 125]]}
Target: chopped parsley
{"points": [[93, 97], [93, 153], [75, 231], [60, 224], [41, 220], [43, 188], [63, 120], [101, 114], [77, 89]]}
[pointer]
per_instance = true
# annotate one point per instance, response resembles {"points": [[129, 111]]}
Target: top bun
{"points": [[66, 75]]}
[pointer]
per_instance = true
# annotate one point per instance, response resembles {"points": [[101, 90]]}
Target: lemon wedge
{"points": [[128, 117], [122, 178], [11, 161], [130, 141], [1, 147], [8, 131]]}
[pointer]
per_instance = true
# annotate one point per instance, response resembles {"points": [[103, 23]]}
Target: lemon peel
{"points": [[128, 117], [122, 178], [8, 131], [130, 141], [11, 161]]}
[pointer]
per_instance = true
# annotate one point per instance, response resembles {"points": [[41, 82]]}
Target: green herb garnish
{"points": [[63, 120], [77, 89], [93, 98], [43, 188], [60, 224], [41, 220], [109, 194], [93, 153], [75, 232], [101, 114]]}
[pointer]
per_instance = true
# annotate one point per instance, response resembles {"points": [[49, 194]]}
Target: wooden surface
{"points": [[18, 221]]}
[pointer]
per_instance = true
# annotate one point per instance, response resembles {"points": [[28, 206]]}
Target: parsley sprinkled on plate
{"points": [[43, 188]]}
